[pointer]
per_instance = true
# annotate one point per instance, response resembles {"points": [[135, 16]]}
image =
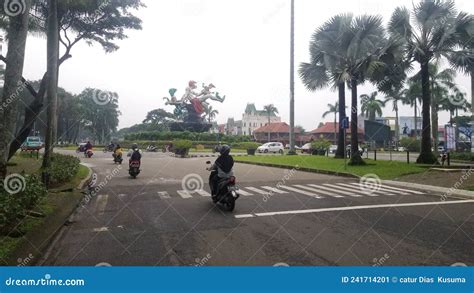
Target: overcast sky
{"points": [[240, 46]]}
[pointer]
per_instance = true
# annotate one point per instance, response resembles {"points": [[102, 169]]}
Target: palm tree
{"points": [[371, 107], [395, 96], [211, 113], [320, 72], [436, 32], [412, 96], [333, 109], [271, 110]]}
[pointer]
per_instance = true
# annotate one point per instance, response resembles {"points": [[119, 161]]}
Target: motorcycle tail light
{"points": [[232, 180]]}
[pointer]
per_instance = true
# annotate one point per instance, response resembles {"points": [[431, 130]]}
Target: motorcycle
{"points": [[88, 153], [151, 148], [109, 148], [134, 168], [117, 159], [227, 191]]}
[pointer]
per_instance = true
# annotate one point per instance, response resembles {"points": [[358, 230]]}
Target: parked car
{"points": [[333, 149], [441, 149], [271, 147], [348, 149], [402, 149], [306, 148], [32, 143]]}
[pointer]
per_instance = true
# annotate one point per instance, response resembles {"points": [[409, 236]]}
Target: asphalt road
{"points": [[310, 219]]}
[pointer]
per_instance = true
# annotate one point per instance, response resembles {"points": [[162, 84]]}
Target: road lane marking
{"points": [[163, 194], [333, 187], [202, 192], [184, 193], [244, 193], [401, 189], [101, 203], [367, 191], [331, 190], [365, 207], [301, 191], [275, 190], [318, 190], [259, 191]]}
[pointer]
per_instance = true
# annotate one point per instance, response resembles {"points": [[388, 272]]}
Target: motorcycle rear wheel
{"points": [[229, 204]]}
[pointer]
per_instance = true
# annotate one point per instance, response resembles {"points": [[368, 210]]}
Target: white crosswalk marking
{"points": [[301, 191], [202, 192], [275, 190], [318, 191], [383, 188], [256, 190], [164, 194], [184, 194], [244, 193], [334, 188], [367, 191], [339, 185]]}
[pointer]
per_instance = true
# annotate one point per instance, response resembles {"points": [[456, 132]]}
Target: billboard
{"points": [[450, 138], [407, 126]]}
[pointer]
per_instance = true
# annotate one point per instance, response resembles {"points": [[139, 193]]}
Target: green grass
{"points": [[384, 169], [193, 150]]}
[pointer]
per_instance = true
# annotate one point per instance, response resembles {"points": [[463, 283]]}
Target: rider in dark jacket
{"points": [[224, 166]]}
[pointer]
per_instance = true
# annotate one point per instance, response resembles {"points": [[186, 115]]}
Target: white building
{"points": [[253, 119]]}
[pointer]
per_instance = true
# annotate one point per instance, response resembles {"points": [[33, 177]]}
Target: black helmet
{"points": [[224, 150], [134, 146]]}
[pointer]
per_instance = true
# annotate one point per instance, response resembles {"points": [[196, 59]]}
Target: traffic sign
{"points": [[345, 123]]}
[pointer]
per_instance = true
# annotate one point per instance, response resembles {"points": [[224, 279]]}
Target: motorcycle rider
{"points": [[118, 152], [135, 153], [224, 166], [87, 147]]}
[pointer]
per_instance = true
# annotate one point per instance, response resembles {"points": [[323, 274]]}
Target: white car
{"points": [[271, 147], [333, 149]]}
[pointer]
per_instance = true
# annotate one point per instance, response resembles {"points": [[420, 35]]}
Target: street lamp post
{"points": [[292, 80]]}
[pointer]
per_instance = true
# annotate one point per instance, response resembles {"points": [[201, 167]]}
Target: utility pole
{"points": [[292, 80]]}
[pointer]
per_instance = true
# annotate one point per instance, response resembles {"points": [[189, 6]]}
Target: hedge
{"points": [[63, 168], [176, 135], [14, 207]]}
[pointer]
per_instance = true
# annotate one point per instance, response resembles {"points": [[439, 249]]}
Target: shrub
{"points": [[63, 168], [247, 145], [182, 144], [320, 144], [199, 147], [411, 144], [14, 207]]}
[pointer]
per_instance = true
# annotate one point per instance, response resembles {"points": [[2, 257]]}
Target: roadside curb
{"points": [[309, 170], [446, 191], [86, 180]]}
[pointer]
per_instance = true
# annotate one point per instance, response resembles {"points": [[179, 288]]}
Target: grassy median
{"points": [[384, 169]]}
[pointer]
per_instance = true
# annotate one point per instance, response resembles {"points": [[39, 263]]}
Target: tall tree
{"points": [[91, 21], [325, 71], [395, 96], [333, 109], [371, 106], [52, 85], [16, 34], [211, 113], [436, 32], [412, 96], [271, 110]]}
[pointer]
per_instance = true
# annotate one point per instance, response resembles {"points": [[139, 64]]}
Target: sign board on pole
{"points": [[450, 137], [345, 123]]}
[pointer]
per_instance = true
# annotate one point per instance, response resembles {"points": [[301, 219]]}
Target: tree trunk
{"points": [[52, 89], [269, 134], [397, 126], [340, 153], [17, 34], [434, 124], [416, 121], [335, 128], [356, 159], [472, 93], [426, 155]]}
